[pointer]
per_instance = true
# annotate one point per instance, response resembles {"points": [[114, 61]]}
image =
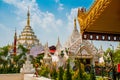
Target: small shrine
{"points": [[47, 58], [27, 67], [81, 49]]}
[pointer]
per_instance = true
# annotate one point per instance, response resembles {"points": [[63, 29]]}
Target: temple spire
{"points": [[27, 37], [46, 48], [28, 17], [58, 46], [58, 41], [101, 47], [15, 41]]}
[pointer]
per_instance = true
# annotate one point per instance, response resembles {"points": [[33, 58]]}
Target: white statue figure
{"points": [[27, 67]]}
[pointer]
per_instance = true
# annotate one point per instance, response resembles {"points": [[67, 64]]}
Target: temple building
{"points": [[27, 37], [97, 23], [81, 49], [77, 49]]}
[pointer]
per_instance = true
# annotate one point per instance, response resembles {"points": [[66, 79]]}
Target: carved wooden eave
{"points": [[101, 21], [82, 57]]}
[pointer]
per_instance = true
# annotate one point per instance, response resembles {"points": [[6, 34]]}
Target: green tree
{"points": [[116, 56], [37, 59], [92, 73], [106, 55], [80, 73], [68, 75], [44, 71], [3, 58], [20, 58], [61, 73], [54, 73]]}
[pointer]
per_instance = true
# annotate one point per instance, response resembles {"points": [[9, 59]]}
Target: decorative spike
{"points": [[28, 17], [75, 27], [75, 22], [58, 40], [101, 47], [58, 46], [15, 41]]}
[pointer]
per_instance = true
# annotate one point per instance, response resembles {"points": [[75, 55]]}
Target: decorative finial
{"points": [[47, 44], [101, 47], [28, 17], [75, 28], [58, 40], [15, 35], [15, 42]]}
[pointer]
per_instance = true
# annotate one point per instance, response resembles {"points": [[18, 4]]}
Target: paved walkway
{"points": [[31, 77]]}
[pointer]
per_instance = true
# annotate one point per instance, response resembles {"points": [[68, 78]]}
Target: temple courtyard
{"points": [[27, 58]]}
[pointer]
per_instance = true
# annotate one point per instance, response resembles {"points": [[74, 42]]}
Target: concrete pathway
{"points": [[31, 77]]}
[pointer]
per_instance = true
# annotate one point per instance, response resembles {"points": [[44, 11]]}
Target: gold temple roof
{"points": [[102, 17]]}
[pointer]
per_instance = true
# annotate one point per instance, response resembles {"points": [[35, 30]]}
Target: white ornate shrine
{"points": [[81, 49], [100, 55], [27, 67], [47, 58]]}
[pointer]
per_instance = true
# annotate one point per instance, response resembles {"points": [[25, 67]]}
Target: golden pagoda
{"points": [[27, 37]]}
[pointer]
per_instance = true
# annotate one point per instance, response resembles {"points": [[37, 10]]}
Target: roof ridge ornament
{"points": [[75, 27]]}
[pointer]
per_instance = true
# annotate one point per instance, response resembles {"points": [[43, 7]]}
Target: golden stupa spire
{"points": [[28, 17]]}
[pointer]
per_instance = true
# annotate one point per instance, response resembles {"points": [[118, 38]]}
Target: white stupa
{"points": [[27, 67]]}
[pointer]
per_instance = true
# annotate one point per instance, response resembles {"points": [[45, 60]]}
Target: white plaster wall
{"points": [[21, 77], [11, 77]]}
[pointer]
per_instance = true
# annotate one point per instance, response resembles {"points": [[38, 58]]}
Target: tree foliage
{"points": [[117, 56], [61, 73], [44, 71], [68, 75]]}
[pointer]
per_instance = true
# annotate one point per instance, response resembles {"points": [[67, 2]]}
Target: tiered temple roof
{"points": [[101, 22], [27, 36]]}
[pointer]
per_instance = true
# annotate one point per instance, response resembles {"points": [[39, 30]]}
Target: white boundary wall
{"points": [[20, 76], [12, 76]]}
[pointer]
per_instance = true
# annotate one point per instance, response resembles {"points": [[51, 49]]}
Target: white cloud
{"points": [[60, 7], [7, 32], [56, 1], [38, 18], [71, 16], [44, 24]]}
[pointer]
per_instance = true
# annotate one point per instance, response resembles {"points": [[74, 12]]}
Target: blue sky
{"points": [[50, 19]]}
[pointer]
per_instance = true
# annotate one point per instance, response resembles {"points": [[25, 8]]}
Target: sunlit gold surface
{"points": [[102, 17]]}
